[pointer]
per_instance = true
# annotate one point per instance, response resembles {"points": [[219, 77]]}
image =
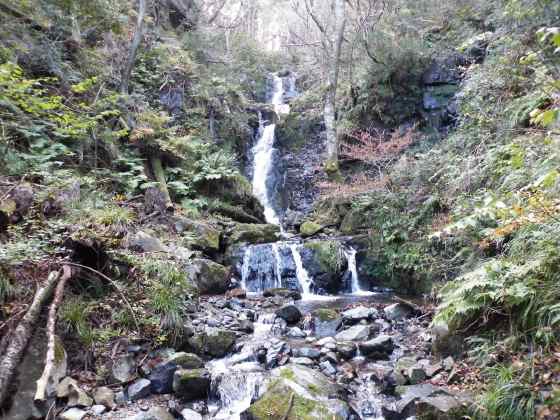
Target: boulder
{"points": [[185, 360], [124, 368], [104, 396], [398, 311], [325, 322], [277, 354], [289, 313], [299, 393], [380, 347], [355, 333], [416, 374], [213, 342], [309, 228], [77, 397], [209, 277], [191, 384], [141, 388], [326, 264], [144, 242], [202, 236], [355, 315], [161, 378], [253, 233], [347, 349], [306, 352]]}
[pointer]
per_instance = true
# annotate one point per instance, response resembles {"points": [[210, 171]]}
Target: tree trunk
{"points": [[339, 17], [159, 175], [20, 337], [44, 383], [134, 46]]}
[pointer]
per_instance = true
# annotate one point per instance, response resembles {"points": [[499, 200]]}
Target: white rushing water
{"points": [[350, 254], [263, 152]]}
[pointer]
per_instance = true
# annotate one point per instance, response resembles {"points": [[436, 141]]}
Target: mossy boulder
{"points": [[326, 264], [191, 384], [213, 342], [186, 360], [299, 393], [309, 228], [210, 278], [253, 233], [199, 235]]}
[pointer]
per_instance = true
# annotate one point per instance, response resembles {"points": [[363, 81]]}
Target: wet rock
{"points": [[416, 374], [161, 378], [307, 352], [355, 333], [143, 242], [236, 294], [398, 311], [277, 353], [328, 368], [378, 348], [325, 264], [73, 414], [121, 398], [290, 313], [325, 322], [154, 413], [191, 384], [209, 277], [139, 389], [330, 357], [124, 368], [326, 340], [285, 293], [296, 332], [253, 233], [104, 396], [355, 315], [185, 360], [190, 415], [346, 349]]}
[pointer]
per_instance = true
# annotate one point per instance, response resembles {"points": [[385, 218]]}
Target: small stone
{"points": [[73, 414], [306, 352], [347, 350], [77, 397], [379, 348], [296, 332], [124, 368], [328, 368], [331, 357], [139, 389], [120, 398], [161, 378], [360, 313], [326, 340], [65, 386], [448, 363], [416, 374], [190, 415]]}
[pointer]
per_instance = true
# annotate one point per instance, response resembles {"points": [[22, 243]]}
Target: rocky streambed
{"points": [[274, 356]]}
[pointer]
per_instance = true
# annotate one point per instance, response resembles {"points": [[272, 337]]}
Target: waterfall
{"points": [[301, 273], [263, 152], [350, 254]]}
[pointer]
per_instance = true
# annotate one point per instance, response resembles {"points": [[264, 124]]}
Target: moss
{"points": [[287, 373], [329, 254], [59, 352], [253, 234], [309, 229]]}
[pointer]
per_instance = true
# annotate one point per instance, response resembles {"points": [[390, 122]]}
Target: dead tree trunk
{"points": [[134, 46], [20, 337], [44, 384]]}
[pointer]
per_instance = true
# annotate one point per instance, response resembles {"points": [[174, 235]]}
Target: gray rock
{"points": [[289, 313], [155, 413], [448, 363], [143, 242], [331, 357], [98, 409], [444, 342], [190, 415], [416, 374], [73, 414], [185, 360], [355, 315], [141, 388], [277, 354], [161, 378], [296, 332], [306, 352], [212, 342], [378, 348], [124, 368], [77, 397], [120, 398], [191, 384], [324, 341], [347, 350], [104, 396], [355, 333], [328, 368], [398, 311]]}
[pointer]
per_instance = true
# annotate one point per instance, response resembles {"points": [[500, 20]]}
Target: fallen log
{"points": [[20, 337], [45, 384]]}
